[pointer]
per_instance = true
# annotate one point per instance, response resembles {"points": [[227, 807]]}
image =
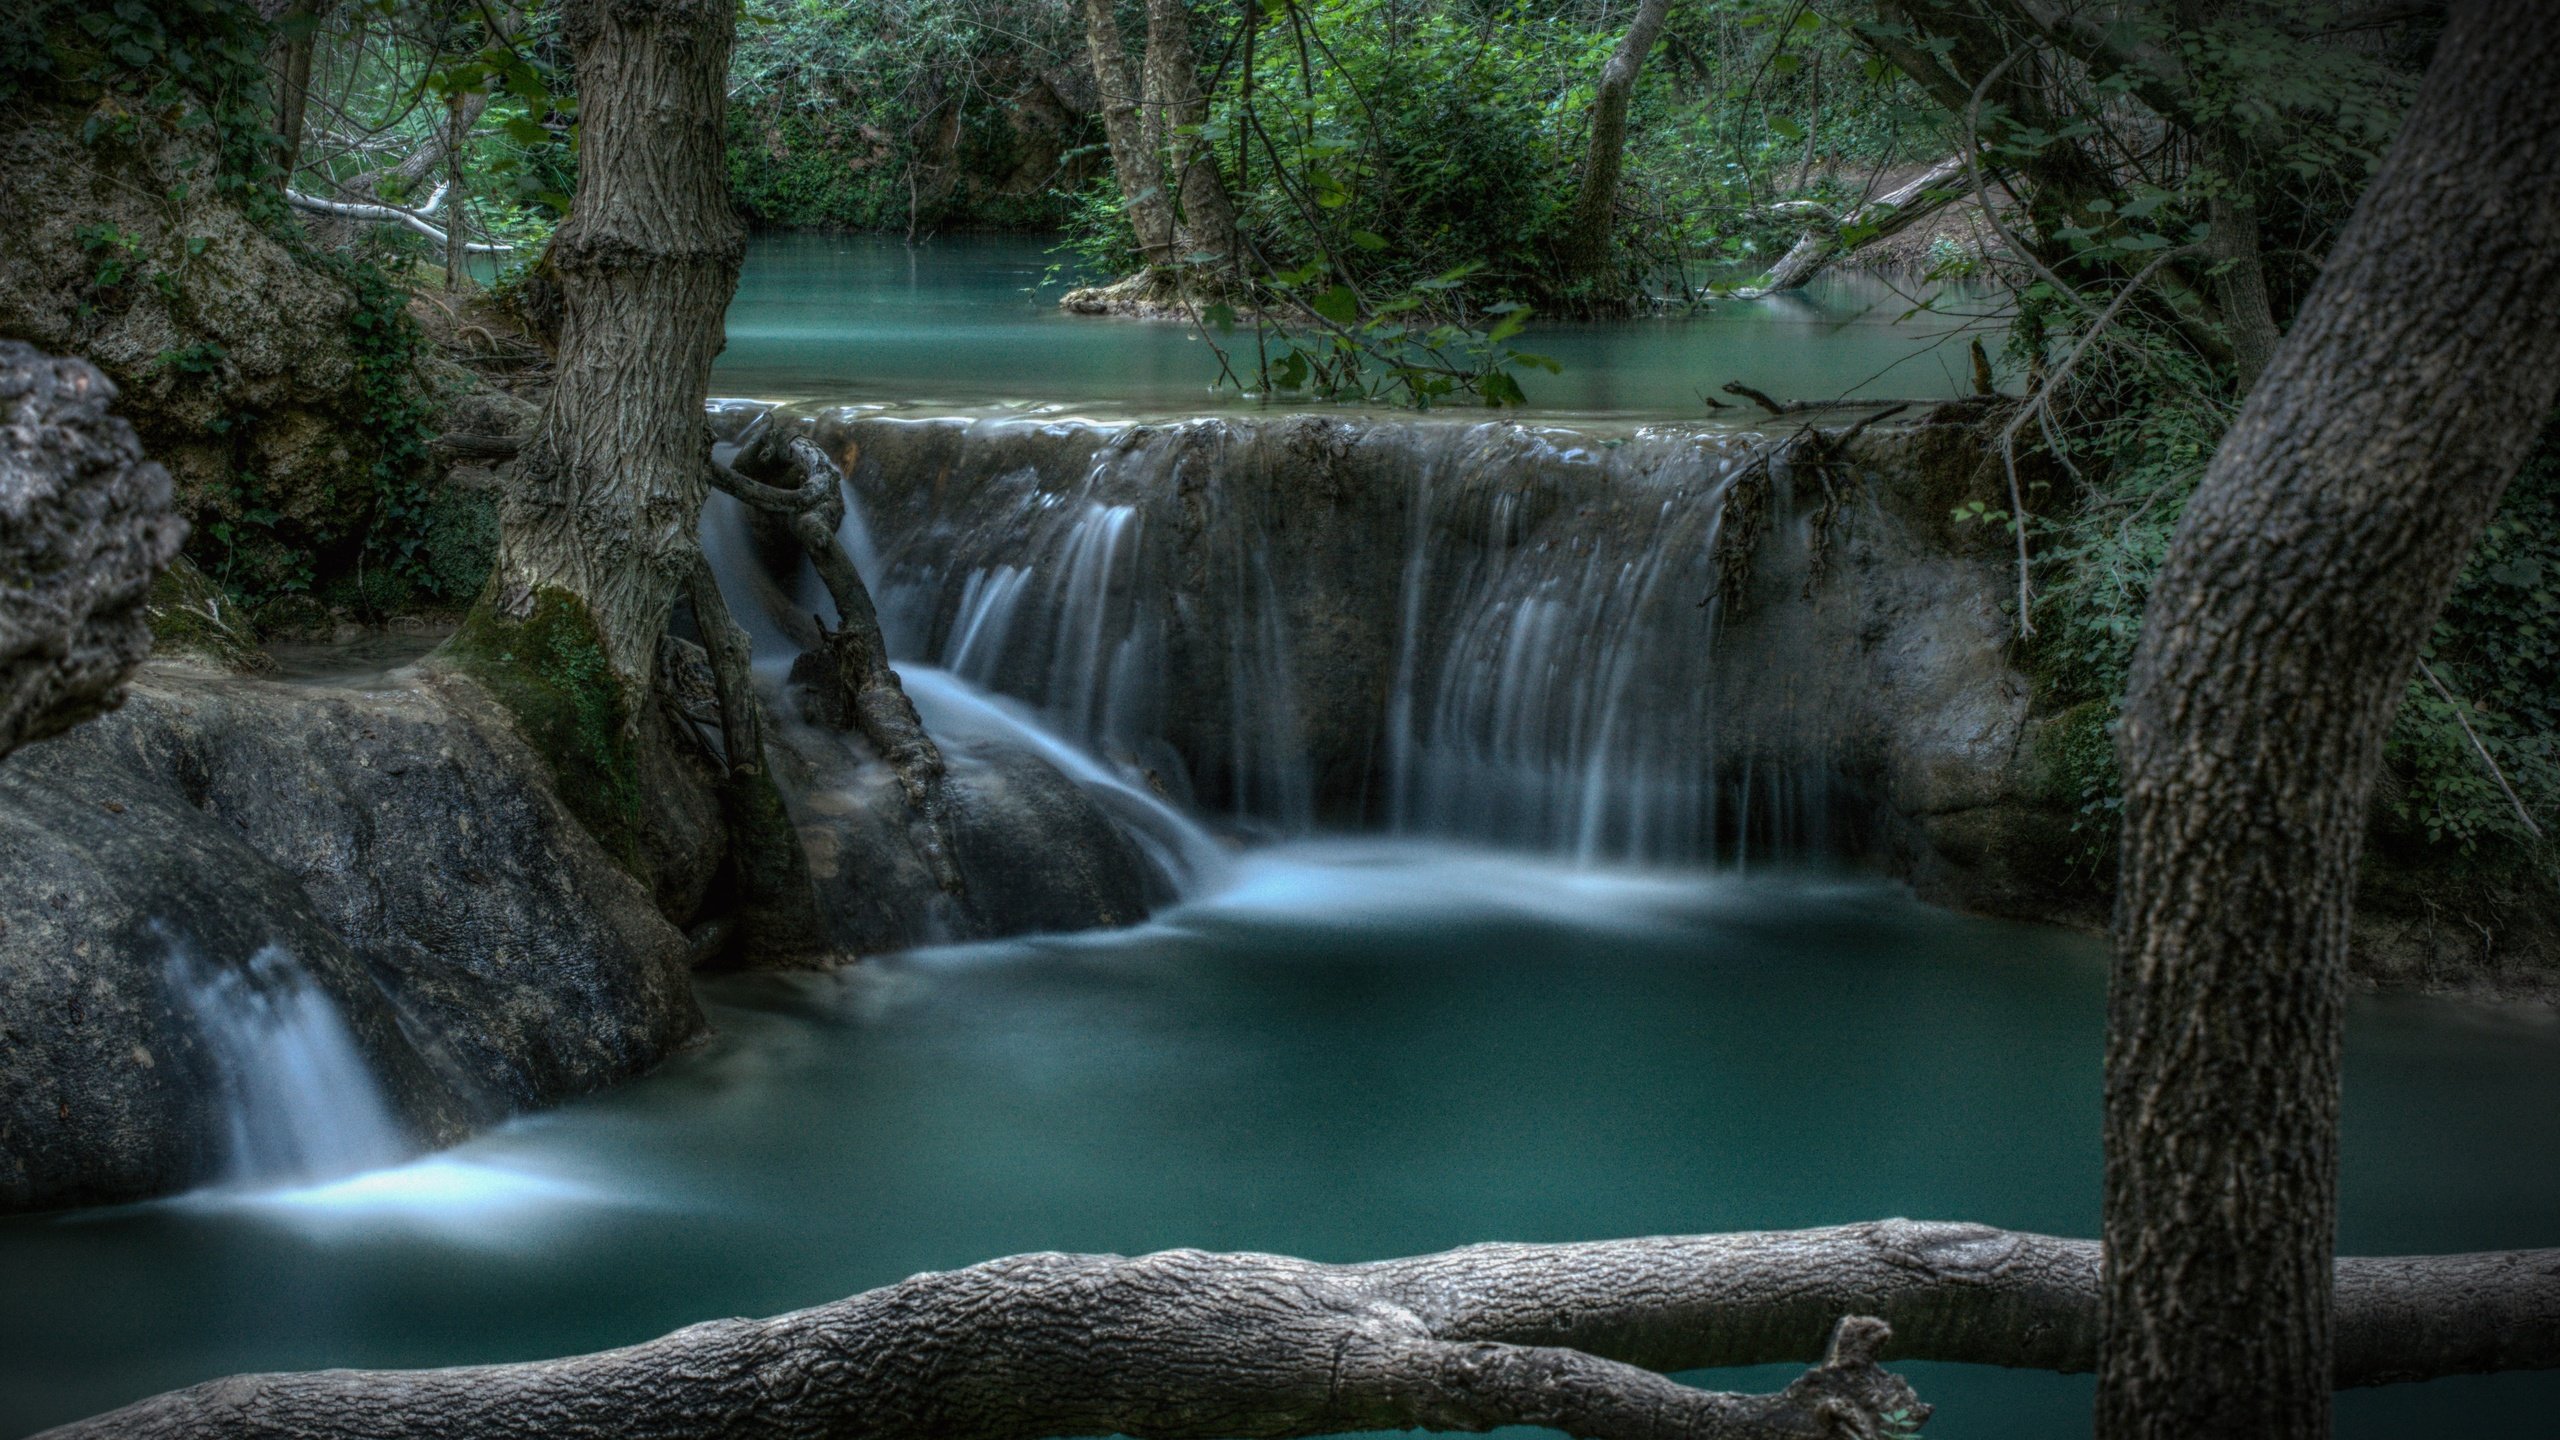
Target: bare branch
{"points": [[390, 215]]}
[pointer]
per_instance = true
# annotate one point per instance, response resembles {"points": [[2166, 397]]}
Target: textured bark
{"points": [[2280, 636], [1206, 222], [609, 489], [2240, 286], [1189, 1344], [85, 526], [1583, 250], [1135, 163]]}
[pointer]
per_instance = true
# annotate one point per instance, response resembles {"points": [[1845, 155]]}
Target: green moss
{"points": [[549, 670]]}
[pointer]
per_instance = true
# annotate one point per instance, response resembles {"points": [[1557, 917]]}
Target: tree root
{"points": [[851, 673], [1193, 1344], [778, 913]]}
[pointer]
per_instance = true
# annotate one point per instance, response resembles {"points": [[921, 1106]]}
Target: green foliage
{"points": [[400, 70], [550, 672], [386, 346], [2496, 652], [198, 65], [900, 114], [2152, 423]]}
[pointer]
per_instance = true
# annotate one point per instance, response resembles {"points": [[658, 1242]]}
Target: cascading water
{"points": [[1567, 706], [299, 1102], [1097, 678], [1488, 632], [1055, 594]]}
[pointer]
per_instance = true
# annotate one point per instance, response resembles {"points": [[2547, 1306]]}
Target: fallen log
{"points": [[1897, 209], [1187, 1344], [389, 215]]}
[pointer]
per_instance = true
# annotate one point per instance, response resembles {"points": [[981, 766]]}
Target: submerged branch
{"points": [[1776, 406], [1193, 1344]]}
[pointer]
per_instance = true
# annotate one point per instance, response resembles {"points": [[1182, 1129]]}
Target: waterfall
{"points": [[1487, 631], [298, 1101], [954, 710], [1098, 685], [1560, 700]]}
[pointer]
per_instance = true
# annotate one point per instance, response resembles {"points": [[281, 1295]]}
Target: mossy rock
{"points": [[550, 672]]}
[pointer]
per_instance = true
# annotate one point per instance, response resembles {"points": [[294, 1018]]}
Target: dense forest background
{"points": [[1404, 177]]}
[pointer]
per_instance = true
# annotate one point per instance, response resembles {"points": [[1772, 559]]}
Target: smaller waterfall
{"points": [[299, 1103], [1559, 693], [953, 709]]}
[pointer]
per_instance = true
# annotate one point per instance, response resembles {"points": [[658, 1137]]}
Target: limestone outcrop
{"points": [[85, 526]]}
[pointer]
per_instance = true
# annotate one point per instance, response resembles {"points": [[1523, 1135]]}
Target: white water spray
{"points": [[299, 1102]]}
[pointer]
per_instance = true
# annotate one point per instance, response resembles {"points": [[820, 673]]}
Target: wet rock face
{"points": [[1035, 852], [85, 526], [1657, 645], [396, 839]]}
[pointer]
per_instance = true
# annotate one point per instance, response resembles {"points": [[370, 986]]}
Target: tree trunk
{"points": [[1189, 1344], [2240, 287], [2280, 636], [1583, 251], [1135, 163], [457, 132], [301, 24], [1206, 222], [609, 489], [2238, 269]]}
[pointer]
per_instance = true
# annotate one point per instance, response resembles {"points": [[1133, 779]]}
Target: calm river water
{"points": [[966, 322], [1358, 1049]]}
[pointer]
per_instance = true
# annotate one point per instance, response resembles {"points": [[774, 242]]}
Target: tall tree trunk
{"points": [[610, 487], [2280, 636], [1206, 223], [300, 23], [1135, 162], [1583, 252], [2238, 269], [457, 133]]}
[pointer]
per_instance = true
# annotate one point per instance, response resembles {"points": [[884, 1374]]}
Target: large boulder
{"points": [[394, 838]]}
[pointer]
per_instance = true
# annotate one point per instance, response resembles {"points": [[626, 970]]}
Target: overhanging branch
{"points": [[389, 215]]}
